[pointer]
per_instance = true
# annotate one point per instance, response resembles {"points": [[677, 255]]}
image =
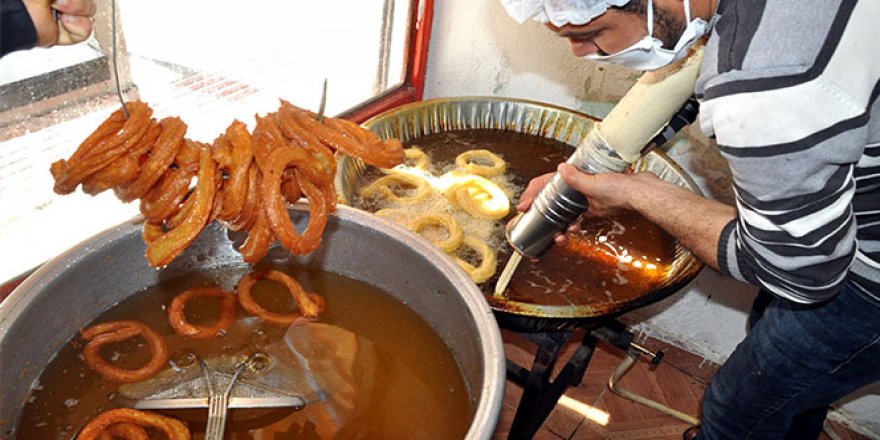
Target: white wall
{"points": [[476, 49]]}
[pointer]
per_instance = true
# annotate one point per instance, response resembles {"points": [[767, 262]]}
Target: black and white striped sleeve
{"points": [[793, 136]]}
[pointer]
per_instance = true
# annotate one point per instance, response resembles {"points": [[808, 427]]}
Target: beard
{"points": [[668, 25]]}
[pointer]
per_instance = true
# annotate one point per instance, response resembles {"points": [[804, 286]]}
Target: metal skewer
{"points": [[115, 67], [323, 104]]}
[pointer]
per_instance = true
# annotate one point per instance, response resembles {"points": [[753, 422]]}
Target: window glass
{"points": [[208, 62]]}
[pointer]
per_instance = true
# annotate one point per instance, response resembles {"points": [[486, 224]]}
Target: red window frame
{"points": [[410, 90], [416, 59]]}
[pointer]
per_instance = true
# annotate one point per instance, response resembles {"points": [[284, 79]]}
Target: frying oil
{"points": [[609, 260], [412, 388]]}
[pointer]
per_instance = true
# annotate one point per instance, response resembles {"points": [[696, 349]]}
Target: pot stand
{"points": [[540, 391]]}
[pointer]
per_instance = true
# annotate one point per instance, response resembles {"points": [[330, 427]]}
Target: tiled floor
{"points": [[667, 383]]}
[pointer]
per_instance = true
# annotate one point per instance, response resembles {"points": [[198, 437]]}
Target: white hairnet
{"points": [[558, 12]]}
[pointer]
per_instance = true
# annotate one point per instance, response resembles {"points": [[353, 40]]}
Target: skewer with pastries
{"points": [[242, 179]]}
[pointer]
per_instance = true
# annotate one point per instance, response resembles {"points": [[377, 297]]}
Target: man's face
{"points": [[616, 30], [608, 33]]}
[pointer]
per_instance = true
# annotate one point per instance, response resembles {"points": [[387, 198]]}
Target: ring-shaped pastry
{"points": [[381, 187], [124, 431], [453, 230], [310, 305], [413, 158], [101, 426], [488, 262], [178, 321], [478, 196], [472, 162], [115, 331]]}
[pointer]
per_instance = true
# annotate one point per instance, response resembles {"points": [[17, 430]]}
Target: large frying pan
{"points": [[569, 127]]}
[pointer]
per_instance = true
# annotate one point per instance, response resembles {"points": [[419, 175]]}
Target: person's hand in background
{"points": [[74, 23]]}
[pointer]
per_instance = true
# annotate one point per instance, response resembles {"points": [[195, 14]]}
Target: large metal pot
{"points": [[68, 292]]}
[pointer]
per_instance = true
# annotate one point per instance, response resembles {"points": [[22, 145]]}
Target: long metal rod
{"points": [[614, 386], [115, 64], [323, 103]]}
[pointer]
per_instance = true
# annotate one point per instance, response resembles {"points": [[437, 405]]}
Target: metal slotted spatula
{"points": [[312, 363], [247, 380]]}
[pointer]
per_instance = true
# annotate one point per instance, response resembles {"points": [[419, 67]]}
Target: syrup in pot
{"points": [[411, 388]]}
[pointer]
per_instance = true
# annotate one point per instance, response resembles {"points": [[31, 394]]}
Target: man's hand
{"points": [[606, 193], [534, 187], [74, 23]]}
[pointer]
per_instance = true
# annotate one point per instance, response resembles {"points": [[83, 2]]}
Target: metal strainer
{"points": [[254, 380], [313, 363]]}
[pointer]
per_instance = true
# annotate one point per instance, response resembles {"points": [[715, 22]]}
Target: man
{"points": [[28, 23], [788, 89]]}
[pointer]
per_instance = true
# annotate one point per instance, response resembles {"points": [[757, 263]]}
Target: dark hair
{"points": [[668, 25]]}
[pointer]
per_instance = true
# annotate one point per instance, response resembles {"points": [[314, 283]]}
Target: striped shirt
{"points": [[788, 88]]}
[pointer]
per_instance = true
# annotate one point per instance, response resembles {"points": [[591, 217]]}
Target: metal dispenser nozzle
{"points": [[558, 205]]}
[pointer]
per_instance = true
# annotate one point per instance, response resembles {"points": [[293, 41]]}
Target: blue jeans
{"points": [[796, 360]]}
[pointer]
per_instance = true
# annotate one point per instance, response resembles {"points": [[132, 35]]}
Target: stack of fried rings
{"points": [[478, 196], [309, 305], [243, 179]]}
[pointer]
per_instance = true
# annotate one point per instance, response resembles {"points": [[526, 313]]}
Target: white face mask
{"points": [[648, 53]]}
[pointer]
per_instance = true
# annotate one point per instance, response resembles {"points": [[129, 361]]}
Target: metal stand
{"points": [[540, 391]]}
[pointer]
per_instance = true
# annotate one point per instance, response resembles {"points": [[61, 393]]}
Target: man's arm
{"points": [[17, 30], [695, 221]]}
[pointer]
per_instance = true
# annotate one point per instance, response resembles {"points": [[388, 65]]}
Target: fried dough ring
{"points": [[260, 236], [106, 423], [340, 135], [248, 214], [237, 160], [162, 155], [163, 199], [310, 305], [371, 148], [162, 250], [479, 197], [151, 231], [414, 159], [115, 331], [488, 262], [114, 138], [455, 234], [419, 158], [381, 187], [181, 326], [119, 172], [468, 161], [276, 211], [125, 431]]}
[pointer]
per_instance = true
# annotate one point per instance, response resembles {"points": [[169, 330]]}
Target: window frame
{"points": [[416, 60]]}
